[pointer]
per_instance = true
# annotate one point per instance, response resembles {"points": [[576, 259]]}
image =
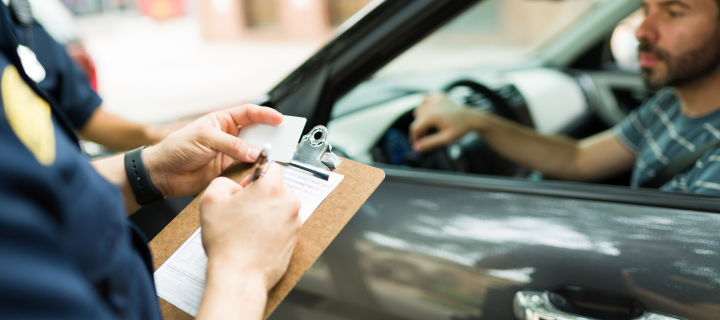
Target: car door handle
{"points": [[536, 305]]}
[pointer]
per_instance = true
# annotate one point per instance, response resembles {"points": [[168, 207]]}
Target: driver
{"points": [[679, 55]]}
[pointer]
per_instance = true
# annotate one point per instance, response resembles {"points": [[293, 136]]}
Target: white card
{"points": [[283, 138]]}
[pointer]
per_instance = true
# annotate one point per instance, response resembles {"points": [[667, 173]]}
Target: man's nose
{"points": [[647, 30]]}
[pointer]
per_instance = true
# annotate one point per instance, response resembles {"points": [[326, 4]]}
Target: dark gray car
{"points": [[463, 234]]}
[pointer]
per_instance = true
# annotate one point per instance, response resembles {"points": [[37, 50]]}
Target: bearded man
{"points": [[679, 55]]}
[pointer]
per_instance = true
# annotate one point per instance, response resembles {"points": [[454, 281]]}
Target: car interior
{"points": [[484, 58]]}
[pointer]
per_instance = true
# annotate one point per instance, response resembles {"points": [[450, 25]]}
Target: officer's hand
{"points": [[250, 231], [188, 159], [156, 133], [451, 120]]}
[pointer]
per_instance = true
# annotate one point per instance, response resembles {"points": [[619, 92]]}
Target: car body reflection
{"points": [[463, 254]]}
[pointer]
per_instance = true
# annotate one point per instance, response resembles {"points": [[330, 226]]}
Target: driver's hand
{"points": [[452, 121], [187, 160]]}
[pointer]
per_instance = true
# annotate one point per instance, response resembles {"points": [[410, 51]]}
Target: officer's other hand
{"points": [[451, 120], [187, 160], [250, 231]]}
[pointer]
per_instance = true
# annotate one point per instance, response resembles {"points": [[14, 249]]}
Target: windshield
{"points": [[492, 33]]}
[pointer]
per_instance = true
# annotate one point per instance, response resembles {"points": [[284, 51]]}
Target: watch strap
{"points": [[143, 188]]}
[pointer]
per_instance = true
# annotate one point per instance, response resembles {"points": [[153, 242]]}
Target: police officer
{"points": [[66, 251], [64, 83]]}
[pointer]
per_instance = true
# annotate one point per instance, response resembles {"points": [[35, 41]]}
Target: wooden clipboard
{"points": [[316, 234]]}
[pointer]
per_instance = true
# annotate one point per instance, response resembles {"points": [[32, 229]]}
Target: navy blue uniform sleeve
{"points": [[65, 252], [38, 280], [64, 81]]}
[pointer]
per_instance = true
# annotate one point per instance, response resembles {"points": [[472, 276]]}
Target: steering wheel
{"points": [[469, 154], [497, 104]]}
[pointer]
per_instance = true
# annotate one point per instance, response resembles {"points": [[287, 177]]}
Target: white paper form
{"points": [[311, 190], [181, 279]]}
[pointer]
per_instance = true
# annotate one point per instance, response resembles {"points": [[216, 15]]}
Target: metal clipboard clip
{"points": [[314, 154]]}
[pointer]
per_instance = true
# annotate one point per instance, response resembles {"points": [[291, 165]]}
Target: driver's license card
{"points": [[283, 138]]}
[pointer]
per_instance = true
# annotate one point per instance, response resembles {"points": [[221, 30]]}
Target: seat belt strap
{"points": [[678, 166]]}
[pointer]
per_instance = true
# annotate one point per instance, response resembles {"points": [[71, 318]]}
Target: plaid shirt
{"points": [[657, 132]]}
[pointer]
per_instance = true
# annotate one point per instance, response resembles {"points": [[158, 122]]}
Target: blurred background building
{"points": [[295, 19], [156, 61], [233, 19], [161, 60]]}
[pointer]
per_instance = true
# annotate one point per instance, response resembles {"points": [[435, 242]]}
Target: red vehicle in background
{"points": [[77, 52]]}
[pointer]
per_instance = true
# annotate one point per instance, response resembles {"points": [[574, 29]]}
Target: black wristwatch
{"points": [[143, 188]]}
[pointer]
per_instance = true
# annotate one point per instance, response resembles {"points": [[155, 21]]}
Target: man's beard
{"points": [[684, 69]]}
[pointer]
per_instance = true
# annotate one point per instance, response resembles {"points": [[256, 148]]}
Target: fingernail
{"points": [[253, 153]]}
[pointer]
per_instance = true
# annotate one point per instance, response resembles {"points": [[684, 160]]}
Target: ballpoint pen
{"points": [[260, 164]]}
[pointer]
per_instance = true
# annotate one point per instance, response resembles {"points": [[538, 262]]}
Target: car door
{"points": [[434, 245], [440, 246]]}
